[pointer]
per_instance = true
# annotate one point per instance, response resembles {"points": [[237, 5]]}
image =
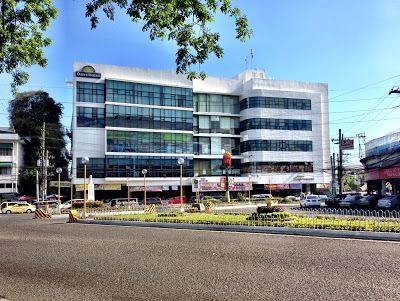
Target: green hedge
{"points": [[91, 204]]}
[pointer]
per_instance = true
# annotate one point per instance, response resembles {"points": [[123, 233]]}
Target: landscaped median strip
{"points": [[265, 220]]}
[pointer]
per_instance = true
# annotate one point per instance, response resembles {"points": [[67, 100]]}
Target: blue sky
{"points": [[352, 46]]}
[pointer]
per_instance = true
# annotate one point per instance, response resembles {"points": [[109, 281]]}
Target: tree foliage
{"points": [[22, 23], [184, 21], [28, 111]]}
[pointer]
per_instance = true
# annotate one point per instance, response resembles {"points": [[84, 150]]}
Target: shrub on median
{"points": [[90, 204]]}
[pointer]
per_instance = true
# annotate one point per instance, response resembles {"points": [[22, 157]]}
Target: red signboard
{"points": [[390, 173], [347, 144], [383, 173], [222, 183]]}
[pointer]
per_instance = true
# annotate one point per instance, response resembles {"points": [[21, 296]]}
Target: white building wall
{"points": [[16, 160], [91, 142], [320, 127]]}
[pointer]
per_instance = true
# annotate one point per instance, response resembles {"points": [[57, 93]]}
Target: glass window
{"points": [[204, 124], [276, 145], [90, 92], [5, 151], [90, 117], [275, 103]]}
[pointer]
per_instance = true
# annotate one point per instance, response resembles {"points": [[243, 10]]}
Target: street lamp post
{"points": [[180, 162], [197, 182], [249, 188], [226, 164], [144, 172], [59, 171], [127, 188], [85, 160], [72, 187], [270, 188]]}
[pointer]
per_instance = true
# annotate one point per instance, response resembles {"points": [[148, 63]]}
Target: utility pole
{"points": [[340, 160], [42, 158], [333, 172], [394, 90], [340, 167], [43, 162]]}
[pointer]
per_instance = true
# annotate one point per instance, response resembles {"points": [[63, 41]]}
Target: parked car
{"points": [[17, 207], [369, 201], [324, 198], [118, 202], [176, 200], [350, 201], [262, 196], [156, 200], [52, 204], [293, 198], [216, 197], [68, 204], [310, 200], [389, 202], [334, 201], [192, 199]]}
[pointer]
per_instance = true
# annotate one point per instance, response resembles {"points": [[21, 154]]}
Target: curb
{"points": [[382, 236]]}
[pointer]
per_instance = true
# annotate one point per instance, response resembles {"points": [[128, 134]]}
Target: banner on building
{"points": [[62, 184], [148, 188], [79, 187]]}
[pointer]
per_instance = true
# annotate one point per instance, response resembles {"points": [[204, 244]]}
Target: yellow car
{"points": [[17, 207]]}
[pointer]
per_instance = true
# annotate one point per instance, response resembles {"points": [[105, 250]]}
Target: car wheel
{"points": [[29, 211], [397, 207], [8, 211]]}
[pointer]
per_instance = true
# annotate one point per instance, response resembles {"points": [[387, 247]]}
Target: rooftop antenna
{"points": [[251, 56]]}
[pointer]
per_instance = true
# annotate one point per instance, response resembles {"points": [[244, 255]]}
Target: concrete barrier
{"points": [[73, 216], [150, 209], [39, 213]]}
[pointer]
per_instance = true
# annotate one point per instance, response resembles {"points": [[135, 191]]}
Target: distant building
{"points": [[11, 160], [382, 164], [126, 120]]}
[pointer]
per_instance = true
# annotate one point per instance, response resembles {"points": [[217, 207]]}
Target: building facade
{"points": [[11, 160], [382, 164], [129, 120]]}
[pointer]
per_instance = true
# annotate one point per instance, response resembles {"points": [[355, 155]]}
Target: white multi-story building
{"points": [[127, 120], [11, 160]]}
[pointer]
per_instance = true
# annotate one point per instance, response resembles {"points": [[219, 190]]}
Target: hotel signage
{"points": [[88, 71]]}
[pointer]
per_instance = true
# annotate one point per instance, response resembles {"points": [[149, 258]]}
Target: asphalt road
{"points": [[50, 259]]}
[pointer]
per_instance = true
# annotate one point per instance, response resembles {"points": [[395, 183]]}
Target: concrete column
{"points": [[383, 186]]}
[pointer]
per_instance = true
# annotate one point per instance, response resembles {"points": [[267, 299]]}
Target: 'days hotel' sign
{"points": [[88, 71]]}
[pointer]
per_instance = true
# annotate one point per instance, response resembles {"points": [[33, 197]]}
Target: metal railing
{"points": [[246, 215]]}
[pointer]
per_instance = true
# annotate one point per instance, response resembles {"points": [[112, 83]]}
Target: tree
{"points": [[21, 40], [183, 21], [28, 111]]}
